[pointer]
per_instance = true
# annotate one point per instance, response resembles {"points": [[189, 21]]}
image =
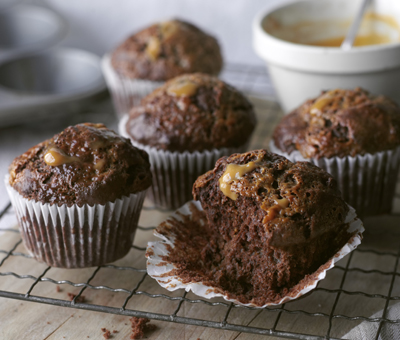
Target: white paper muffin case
{"points": [[175, 172], [76, 237], [367, 182], [125, 92], [159, 269]]}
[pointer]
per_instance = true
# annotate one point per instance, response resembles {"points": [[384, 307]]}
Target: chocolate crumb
{"points": [[104, 329], [58, 289], [115, 331], [107, 334], [140, 326], [79, 298]]}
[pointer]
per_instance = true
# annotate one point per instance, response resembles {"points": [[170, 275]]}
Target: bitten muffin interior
{"points": [[267, 224], [84, 164], [166, 50], [340, 123], [193, 112]]}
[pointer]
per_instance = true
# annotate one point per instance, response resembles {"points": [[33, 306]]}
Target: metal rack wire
{"points": [[332, 317]]}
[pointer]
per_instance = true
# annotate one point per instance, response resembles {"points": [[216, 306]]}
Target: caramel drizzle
{"points": [[183, 87], [233, 173], [55, 157], [281, 203], [153, 48]]}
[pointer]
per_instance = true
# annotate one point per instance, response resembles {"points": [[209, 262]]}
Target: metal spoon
{"points": [[348, 41]]}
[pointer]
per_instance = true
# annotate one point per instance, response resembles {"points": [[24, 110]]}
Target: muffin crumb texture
{"points": [[84, 164], [193, 112], [340, 123], [283, 223], [140, 326], [166, 50]]}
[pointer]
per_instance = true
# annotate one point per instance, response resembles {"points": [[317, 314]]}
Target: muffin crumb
{"points": [[140, 326], [80, 298], [107, 333]]}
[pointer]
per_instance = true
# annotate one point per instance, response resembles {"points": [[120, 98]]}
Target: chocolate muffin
{"points": [[156, 54], [185, 126], [271, 224], [166, 50], [340, 123], [78, 196], [353, 135], [192, 112]]}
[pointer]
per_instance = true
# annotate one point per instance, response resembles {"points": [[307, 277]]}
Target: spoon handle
{"points": [[347, 43]]}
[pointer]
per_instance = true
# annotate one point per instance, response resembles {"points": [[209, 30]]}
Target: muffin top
{"points": [[340, 123], [84, 164], [192, 112], [166, 50], [292, 202]]}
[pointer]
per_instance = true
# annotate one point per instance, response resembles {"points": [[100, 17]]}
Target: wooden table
{"points": [[361, 272]]}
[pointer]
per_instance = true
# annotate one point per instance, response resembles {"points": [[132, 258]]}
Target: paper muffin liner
{"points": [[159, 269], [76, 237], [125, 92], [367, 182], [175, 172]]}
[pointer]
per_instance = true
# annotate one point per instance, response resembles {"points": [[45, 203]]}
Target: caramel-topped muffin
{"points": [[192, 112], [166, 50], [84, 164], [78, 196], [274, 222], [340, 123]]}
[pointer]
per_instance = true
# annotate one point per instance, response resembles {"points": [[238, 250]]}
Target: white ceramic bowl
{"points": [[300, 72]]}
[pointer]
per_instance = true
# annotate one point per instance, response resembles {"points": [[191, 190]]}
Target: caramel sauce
{"points": [[99, 164], [360, 40], [283, 202], [184, 87], [168, 28], [312, 32], [372, 38], [153, 48], [234, 172], [55, 157], [323, 101], [273, 211], [98, 145]]}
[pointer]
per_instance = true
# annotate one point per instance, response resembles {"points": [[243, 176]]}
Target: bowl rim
{"points": [[267, 10], [319, 59]]}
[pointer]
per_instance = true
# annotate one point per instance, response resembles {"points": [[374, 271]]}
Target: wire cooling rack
{"points": [[361, 289]]}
